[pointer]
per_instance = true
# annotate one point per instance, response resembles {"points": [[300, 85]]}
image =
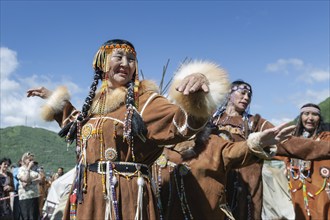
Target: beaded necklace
{"points": [[162, 163], [183, 170], [301, 170], [113, 181]]}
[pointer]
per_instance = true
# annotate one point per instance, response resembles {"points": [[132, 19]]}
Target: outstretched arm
{"points": [[305, 148], [41, 92], [262, 144], [57, 107]]}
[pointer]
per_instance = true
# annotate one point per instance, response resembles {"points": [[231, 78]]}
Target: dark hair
{"points": [[223, 106], [19, 162], [240, 82], [5, 159], [300, 127]]}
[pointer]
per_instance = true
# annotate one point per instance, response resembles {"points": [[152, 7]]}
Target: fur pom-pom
{"points": [[201, 104], [55, 103]]}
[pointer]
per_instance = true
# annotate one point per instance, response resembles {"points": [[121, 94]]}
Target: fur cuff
{"points": [[55, 103], [201, 104], [255, 147]]}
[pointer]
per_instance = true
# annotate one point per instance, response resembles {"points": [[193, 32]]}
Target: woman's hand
{"points": [[193, 83], [7, 188], [30, 164], [263, 144], [275, 135], [41, 92]]}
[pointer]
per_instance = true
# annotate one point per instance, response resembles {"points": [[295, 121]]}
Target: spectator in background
{"points": [[28, 188], [16, 209], [60, 172], [43, 188], [6, 186]]}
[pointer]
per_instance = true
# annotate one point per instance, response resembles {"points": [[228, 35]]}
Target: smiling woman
{"points": [[122, 127]]}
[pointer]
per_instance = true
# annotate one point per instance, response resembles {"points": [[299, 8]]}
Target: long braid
{"points": [[69, 131], [89, 99], [133, 125], [222, 108]]}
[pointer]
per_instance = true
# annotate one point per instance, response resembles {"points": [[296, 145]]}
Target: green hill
{"points": [[325, 109], [49, 149]]}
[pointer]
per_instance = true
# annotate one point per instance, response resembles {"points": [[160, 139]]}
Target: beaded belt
{"points": [[125, 168]]}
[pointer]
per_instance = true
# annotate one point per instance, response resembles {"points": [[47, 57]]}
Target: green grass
{"points": [[49, 149]]}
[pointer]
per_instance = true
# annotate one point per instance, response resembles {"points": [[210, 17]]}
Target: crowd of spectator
{"points": [[24, 187]]}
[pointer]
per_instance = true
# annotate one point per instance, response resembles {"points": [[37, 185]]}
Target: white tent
{"points": [[58, 194]]}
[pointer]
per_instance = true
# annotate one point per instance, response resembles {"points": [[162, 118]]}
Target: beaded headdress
{"points": [[103, 55]]}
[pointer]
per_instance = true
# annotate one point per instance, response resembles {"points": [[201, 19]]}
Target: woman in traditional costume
{"points": [[244, 186], [121, 129], [191, 177], [309, 180]]}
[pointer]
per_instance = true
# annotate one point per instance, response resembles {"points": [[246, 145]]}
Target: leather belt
{"points": [[120, 167]]}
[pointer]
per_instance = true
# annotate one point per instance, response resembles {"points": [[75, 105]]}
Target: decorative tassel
{"points": [[108, 205], [63, 132], [72, 134], [138, 126], [139, 208], [80, 183], [73, 206]]}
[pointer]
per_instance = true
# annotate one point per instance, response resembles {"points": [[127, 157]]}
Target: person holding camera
{"points": [[28, 187]]}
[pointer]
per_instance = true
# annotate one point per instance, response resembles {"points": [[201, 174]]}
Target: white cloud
{"points": [[16, 108], [315, 75], [9, 63], [283, 65], [312, 96], [305, 73], [278, 121]]}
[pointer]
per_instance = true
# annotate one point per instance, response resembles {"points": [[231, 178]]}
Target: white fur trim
{"points": [[201, 104], [255, 147], [55, 103]]}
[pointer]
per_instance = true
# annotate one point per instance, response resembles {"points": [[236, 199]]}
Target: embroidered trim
{"points": [[106, 117], [147, 103]]}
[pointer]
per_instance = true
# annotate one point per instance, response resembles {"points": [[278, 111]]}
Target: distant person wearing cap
{"points": [[28, 188]]}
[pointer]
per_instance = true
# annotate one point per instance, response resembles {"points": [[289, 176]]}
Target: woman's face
{"points": [[240, 98], [4, 166], [27, 160], [310, 121], [122, 67]]}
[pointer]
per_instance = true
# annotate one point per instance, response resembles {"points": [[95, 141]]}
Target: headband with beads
{"points": [[103, 55]]}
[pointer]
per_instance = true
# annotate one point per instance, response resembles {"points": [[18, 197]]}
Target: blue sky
{"points": [[280, 47]]}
